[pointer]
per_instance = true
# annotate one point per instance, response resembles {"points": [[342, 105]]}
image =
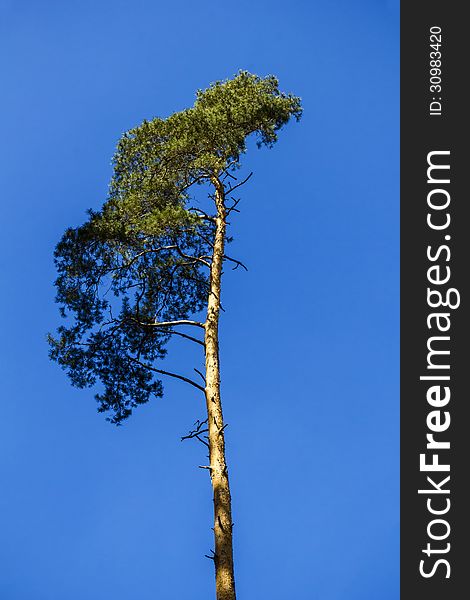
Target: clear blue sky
{"points": [[310, 337]]}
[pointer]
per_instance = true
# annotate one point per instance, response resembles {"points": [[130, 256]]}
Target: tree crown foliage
{"points": [[143, 258]]}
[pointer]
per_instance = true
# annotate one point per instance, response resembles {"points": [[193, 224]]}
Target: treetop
{"points": [[142, 261]]}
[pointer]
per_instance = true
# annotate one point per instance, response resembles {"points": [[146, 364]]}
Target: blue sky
{"points": [[310, 334]]}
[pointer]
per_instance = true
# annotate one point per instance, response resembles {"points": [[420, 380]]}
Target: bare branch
{"points": [[163, 325], [180, 322], [238, 263], [199, 373], [172, 332], [187, 337], [191, 436], [196, 433], [175, 375], [221, 429], [234, 187], [233, 208]]}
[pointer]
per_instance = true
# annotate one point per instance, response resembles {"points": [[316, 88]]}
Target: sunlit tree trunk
{"points": [[223, 552]]}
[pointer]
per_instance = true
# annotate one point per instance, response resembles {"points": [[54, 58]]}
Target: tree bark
{"points": [[223, 553]]}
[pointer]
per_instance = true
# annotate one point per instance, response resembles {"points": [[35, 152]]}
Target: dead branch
{"points": [[233, 208], [168, 373], [169, 331], [196, 433], [199, 373], [187, 337], [180, 322], [238, 263], [221, 429], [234, 187]]}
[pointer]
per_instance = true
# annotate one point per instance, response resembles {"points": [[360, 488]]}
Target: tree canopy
{"points": [[139, 267]]}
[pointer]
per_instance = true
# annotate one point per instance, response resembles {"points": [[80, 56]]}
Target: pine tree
{"points": [[142, 269]]}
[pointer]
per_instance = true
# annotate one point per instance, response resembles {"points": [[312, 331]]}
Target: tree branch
{"points": [[238, 263], [205, 215], [234, 187], [180, 322], [195, 258], [188, 337], [143, 253], [175, 375], [233, 208], [199, 373], [213, 557], [194, 434], [173, 332]]}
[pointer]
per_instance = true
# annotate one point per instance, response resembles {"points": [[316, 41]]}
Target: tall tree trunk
{"points": [[223, 554]]}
